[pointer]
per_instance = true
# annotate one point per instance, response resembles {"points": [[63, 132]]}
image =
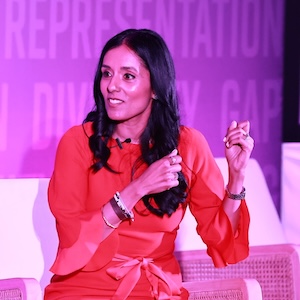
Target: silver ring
{"points": [[246, 135], [172, 160]]}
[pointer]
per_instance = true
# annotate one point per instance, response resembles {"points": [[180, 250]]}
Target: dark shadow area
{"points": [[291, 83]]}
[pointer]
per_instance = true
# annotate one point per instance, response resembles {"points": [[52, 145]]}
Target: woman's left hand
{"points": [[239, 145]]}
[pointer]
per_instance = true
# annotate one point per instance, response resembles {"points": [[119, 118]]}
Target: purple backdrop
{"points": [[228, 56]]}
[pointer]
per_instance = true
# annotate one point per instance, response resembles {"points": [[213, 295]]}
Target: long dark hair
{"points": [[163, 124]]}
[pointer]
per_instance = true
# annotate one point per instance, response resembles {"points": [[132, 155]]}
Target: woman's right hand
{"points": [[158, 177], [161, 175]]}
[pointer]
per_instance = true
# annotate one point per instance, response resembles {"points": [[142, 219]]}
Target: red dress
{"points": [[136, 260]]}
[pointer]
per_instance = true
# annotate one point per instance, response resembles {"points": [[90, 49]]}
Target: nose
{"points": [[114, 84]]}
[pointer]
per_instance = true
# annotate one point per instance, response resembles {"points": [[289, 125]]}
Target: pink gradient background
{"points": [[228, 56]]}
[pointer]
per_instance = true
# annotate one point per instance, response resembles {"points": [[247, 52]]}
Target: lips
{"points": [[115, 101]]}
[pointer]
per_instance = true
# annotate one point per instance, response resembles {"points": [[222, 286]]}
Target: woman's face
{"points": [[125, 86]]}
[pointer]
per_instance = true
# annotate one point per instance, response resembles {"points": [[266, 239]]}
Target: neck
{"points": [[128, 139], [123, 135]]}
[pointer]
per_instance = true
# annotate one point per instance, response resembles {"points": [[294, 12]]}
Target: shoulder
{"points": [[189, 135], [76, 137], [193, 146], [196, 154], [84, 130]]}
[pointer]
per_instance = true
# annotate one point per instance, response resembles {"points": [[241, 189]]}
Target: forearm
{"points": [[231, 206], [130, 195], [158, 177]]}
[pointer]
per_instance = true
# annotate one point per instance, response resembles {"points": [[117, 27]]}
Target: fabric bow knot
{"points": [[129, 270]]}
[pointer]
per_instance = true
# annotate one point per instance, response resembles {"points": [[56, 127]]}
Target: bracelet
{"points": [[125, 212], [239, 196], [107, 223], [117, 209]]}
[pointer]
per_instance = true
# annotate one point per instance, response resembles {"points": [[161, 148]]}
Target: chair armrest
{"points": [[229, 289], [20, 288]]}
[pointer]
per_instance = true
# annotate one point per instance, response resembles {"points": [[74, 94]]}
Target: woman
{"points": [[123, 180]]}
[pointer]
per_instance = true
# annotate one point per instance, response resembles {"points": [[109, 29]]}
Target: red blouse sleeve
{"points": [[205, 200], [79, 230]]}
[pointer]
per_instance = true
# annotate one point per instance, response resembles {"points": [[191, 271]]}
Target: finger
{"points": [[245, 125], [237, 130], [173, 176], [241, 141], [175, 168], [173, 180], [174, 158], [232, 125], [174, 152], [171, 157], [237, 134]]}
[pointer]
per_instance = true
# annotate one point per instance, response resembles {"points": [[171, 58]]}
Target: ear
{"points": [[153, 96]]}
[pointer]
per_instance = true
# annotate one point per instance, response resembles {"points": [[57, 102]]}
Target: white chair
{"points": [[290, 191], [27, 230], [20, 289], [275, 267]]}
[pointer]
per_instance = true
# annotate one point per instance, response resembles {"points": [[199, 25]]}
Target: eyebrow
{"points": [[122, 68]]}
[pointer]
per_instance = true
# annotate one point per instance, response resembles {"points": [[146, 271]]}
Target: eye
{"points": [[128, 76], [106, 74]]}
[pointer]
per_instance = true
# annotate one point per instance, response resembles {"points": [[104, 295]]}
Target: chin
{"points": [[115, 117]]}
